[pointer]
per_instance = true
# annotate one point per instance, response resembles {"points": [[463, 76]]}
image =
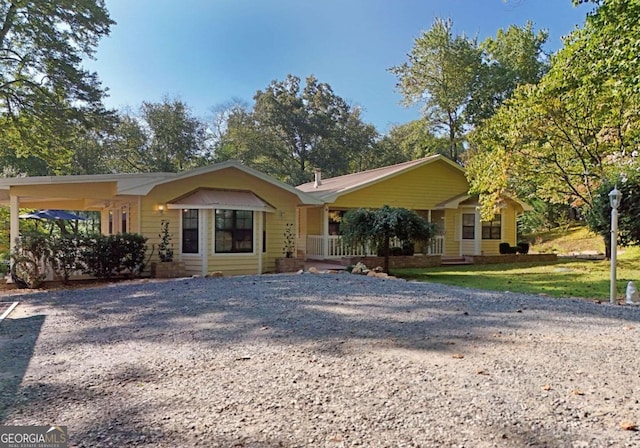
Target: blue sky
{"points": [[207, 52]]}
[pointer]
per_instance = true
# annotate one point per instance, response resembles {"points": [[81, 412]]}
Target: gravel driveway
{"points": [[331, 360]]}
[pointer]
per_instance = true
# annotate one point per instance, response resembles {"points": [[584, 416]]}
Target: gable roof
{"points": [[332, 188], [142, 183], [467, 199]]}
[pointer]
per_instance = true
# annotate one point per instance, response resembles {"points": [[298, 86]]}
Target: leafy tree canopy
{"points": [[460, 82], [45, 94], [559, 139], [292, 129], [161, 137], [599, 217]]}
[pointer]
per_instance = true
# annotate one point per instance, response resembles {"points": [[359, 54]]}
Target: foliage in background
{"points": [[599, 218], [293, 129], [162, 137], [47, 99], [558, 140], [365, 227], [440, 73], [460, 82]]}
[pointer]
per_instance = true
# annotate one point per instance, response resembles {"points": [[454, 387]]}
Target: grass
{"points": [[566, 240], [567, 277]]}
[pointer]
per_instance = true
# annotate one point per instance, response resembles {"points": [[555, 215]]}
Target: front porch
{"points": [[319, 247]]}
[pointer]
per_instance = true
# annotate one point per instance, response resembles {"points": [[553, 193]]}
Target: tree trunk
{"points": [[385, 266]]}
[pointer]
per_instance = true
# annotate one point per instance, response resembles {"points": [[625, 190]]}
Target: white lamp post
{"points": [[615, 196]]}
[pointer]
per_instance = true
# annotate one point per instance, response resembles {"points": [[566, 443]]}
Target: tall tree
{"points": [[162, 137], [45, 94], [512, 58], [441, 72], [292, 129], [559, 139], [413, 140]]}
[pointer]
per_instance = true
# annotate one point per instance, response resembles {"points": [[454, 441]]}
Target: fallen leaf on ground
{"points": [[457, 356], [577, 392], [482, 372], [547, 387], [628, 426]]}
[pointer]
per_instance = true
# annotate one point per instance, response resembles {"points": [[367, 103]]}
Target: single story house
{"points": [[231, 218], [224, 217], [435, 187]]}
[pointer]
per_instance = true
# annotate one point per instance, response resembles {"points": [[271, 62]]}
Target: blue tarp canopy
{"points": [[53, 214]]}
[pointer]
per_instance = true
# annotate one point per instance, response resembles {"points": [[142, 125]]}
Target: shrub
{"points": [[65, 256], [408, 247], [506, 248], [165, 247], [523, 247], [30, 257], [395, 251], [132, 253], [107, 255]]}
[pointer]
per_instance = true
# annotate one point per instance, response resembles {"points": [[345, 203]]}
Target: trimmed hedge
{"points": [[521, 248], [101, 256]]}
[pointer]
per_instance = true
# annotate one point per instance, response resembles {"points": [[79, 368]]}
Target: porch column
{"points": [[204, 235], [259, 226], [325, 232], [478, 234], [14, 221]]}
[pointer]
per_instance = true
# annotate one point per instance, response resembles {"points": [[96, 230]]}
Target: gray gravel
{"points": [[331, 360]]}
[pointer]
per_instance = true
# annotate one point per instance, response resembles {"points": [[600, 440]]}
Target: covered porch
{"points": [[319, 237], [320, 247]]}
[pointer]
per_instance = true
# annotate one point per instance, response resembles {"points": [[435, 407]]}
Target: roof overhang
{"points": [[466, 199], [206, 198]]}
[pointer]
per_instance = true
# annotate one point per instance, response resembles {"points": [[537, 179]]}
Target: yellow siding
{"points": [[231, 178], [509, 225], [418, 189], [451, 237], [314, 220], [303, 231]]}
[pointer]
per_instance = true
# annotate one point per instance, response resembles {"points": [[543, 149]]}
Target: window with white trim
{"points": [[468, 226], [124, 219], [190, 231], [233, 231], [492, 230]]}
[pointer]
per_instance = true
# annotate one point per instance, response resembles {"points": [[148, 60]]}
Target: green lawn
{"points": [[564, 278]]}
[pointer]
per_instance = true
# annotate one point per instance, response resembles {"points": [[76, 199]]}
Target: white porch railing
{"points": [[338, 249]]}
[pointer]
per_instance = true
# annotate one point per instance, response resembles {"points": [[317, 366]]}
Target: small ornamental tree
{"points": [[165, 247], [377, 227], [599, 217]]}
